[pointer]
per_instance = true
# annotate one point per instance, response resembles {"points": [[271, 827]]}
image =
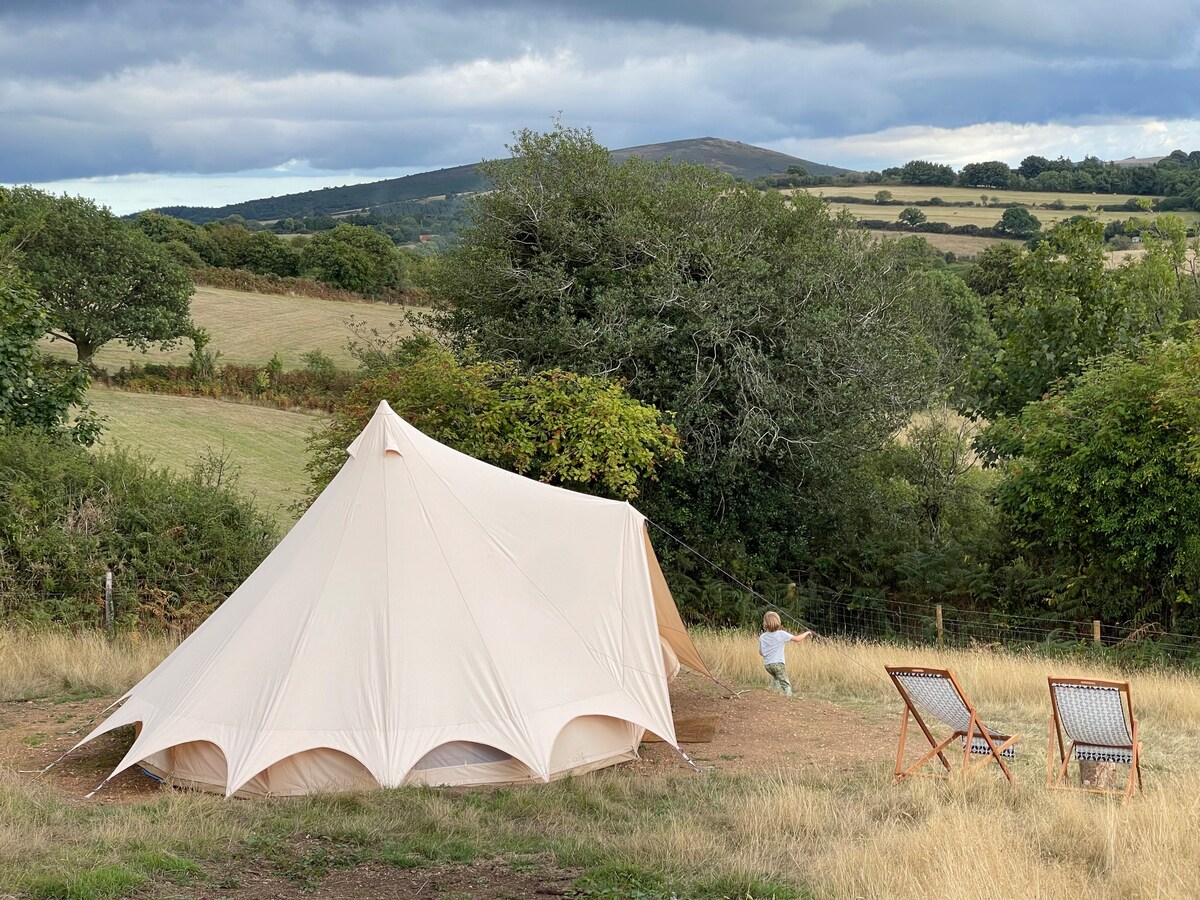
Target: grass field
{"points": [[971, 195], [824, 831], [962, 245], [266, 445], [248, 328], [977, 215]]}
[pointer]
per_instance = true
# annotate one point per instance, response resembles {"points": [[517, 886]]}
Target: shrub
{"points": [[178, 545]]}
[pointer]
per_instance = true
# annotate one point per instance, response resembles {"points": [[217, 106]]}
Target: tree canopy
{"points": [[1105, 479], [354, 258], [993, 174], [559, 427], [785, 340], [1054, 309], [98, 278], [35, 393], [1019, 222]]}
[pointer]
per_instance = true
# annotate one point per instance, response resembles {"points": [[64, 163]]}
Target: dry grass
{"points": [[972, 215], [248, 328], [962, 245], [979, 214], [906, 192], [1009, 684], [826, 833], [42, 664]]}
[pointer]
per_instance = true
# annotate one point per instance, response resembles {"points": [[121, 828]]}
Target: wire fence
{"points": [[951, 625], [120, 603]]}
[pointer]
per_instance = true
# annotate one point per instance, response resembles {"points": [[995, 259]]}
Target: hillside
{"points": [[328, 201], [733, 157], [740, 160]]}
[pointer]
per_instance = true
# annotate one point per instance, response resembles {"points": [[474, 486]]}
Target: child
{"points": [[771, 645]]}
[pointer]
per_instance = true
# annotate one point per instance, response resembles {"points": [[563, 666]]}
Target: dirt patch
{"points": [[35, 733], [761, 731], [483, 880]]}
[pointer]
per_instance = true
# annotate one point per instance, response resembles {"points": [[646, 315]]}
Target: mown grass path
{"points": [[265, 445]]}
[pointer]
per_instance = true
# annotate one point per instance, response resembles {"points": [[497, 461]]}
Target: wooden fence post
{"points": [[940, 638], [1096, 632], [108, 602]]}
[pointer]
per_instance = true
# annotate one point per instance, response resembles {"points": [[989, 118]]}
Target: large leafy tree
{"points": [[992, 174], [1103, 482], [559, 427], [99, 278], [918, 171], [355, 258], [1019, 222], [785, 340], [35, 393], [1054, 309]]}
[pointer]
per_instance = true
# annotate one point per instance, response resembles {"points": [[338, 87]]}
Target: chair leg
{"points": [[900, 748], [1062, 772], [1050, 753]]}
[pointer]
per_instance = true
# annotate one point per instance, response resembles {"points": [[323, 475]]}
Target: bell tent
{"points": [[431, 619]]}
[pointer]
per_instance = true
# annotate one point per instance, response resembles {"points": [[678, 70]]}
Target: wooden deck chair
{"points": [[1092, 721], [937, 693]]}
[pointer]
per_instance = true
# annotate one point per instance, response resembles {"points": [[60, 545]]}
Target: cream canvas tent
{"points": [[430, 619]]}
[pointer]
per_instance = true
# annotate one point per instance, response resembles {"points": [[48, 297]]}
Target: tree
{"points": [[33, 392], [994, 174], [99, 278], [1019, 222], [883, 197], [566, 429], [1105, 480], [1033, 166], [911, 215], [785, 340], [994, 271], [355, 258], [797, 170], [1054, 309], [918, 171]]}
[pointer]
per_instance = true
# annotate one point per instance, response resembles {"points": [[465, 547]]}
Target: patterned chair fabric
{"points": [[936, 695], [1093, 718]]}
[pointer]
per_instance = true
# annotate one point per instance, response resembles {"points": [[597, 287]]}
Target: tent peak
{"points": [[389, 425]]}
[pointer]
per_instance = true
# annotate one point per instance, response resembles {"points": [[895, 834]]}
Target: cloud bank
{"points": [[142, 87]]}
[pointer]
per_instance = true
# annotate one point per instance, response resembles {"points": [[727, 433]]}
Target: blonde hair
{"points": [[771, 621]]}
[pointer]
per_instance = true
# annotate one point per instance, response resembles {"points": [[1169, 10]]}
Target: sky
{"points": [[143, 103]]}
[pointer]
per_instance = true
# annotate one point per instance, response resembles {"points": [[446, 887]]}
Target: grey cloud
{"points": [[90, 88]]}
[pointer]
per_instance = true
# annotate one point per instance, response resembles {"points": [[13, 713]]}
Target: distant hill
{"points": [[732, 157], [331, 201]]}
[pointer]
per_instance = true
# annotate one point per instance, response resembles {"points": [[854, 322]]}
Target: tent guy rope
{"points": [[779, 609]]}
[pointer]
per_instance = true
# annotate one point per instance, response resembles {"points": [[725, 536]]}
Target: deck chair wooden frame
{"points": [[952, 709], [1108, 732]]}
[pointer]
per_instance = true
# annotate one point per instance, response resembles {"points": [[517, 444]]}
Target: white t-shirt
{"points": [[771, 645]]}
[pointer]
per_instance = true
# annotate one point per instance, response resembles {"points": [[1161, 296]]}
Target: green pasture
{"points": [[248, 328], [265, 445]]}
